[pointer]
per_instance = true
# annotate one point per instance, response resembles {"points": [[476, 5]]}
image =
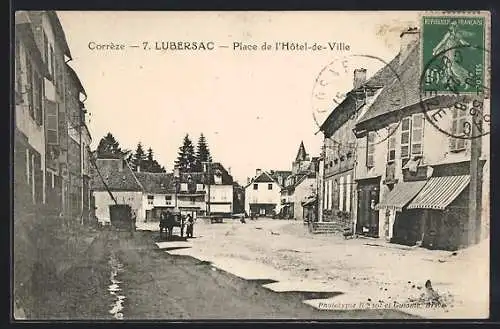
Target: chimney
{"points": [[229, 170], [258, 172], [359, 77], [248, 180], [409, 38]]}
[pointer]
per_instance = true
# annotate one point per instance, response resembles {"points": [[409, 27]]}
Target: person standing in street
{"points": [[190, 226]]}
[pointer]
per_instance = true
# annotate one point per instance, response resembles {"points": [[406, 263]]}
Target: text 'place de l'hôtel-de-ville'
{"points": [[409, 186]]}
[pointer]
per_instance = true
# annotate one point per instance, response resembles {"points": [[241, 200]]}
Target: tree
{"points": [[109, 148], [139, 158], [151, 165], [186, 160], [202, 153]]}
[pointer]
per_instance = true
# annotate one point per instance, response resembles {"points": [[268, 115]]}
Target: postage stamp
{"points": [[455, 73], [455, 46]]}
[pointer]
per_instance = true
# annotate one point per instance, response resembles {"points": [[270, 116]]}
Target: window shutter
{"points": [[52, 123], [38, 98], [29, 85]]}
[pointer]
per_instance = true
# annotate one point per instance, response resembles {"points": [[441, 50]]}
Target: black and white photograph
{"points": [[250, 165]]}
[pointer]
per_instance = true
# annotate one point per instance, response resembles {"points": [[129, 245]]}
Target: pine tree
{"points": [[202, 153], [186, 160], [139, 158], [109, 148]]}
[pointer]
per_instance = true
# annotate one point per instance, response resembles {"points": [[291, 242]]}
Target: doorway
{"points": [[368, 218]]}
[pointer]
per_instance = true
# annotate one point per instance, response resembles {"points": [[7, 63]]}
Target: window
{"points": [[335, 194], [28, 166], [52, 123], [29, 85], [405, 137], [269, 186], [417, 134], [19, 88], [341, 194], [348, 193], [151, 199], [38, 97], [370, 149], [255, 186], [184, 186], [325, 196], [46, 50], [391, 148], [168, 199], [459, 118], [51, 62]]}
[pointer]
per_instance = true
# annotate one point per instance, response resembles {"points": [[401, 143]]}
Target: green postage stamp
{"points": [[455, 49]]}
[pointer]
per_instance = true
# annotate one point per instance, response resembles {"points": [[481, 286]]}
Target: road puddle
{"points": [[114, 288]]}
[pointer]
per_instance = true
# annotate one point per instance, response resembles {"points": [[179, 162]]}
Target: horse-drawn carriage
{"points": [[122, 218]]}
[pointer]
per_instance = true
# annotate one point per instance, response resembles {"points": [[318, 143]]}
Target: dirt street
{"points": [[129, 278], [161, 286]]}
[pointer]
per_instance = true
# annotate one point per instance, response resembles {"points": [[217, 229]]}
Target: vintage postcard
{"points": [[251, 165]]}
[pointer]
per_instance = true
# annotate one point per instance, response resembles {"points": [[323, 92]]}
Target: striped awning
{"points": [[400, 195], [439, 192]]}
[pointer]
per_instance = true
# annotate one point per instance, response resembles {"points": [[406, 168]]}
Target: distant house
{"points": [[158, 194], [117, 176], [219, 188], [298, 186], [262, 194], [191, 194]]}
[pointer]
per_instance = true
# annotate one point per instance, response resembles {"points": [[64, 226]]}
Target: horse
{"points": [[167, 223]]}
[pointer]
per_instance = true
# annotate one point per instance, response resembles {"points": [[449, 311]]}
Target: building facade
{"points": [[298, 186], [112, 180], [413, 180], [219, 190], [262, 195], [29, 138], [336, 184], [42, 115]]}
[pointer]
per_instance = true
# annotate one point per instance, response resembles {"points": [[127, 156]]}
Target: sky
{"points": [[254, 107]]}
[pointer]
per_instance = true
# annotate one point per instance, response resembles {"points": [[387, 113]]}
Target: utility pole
{"points": [[209, 165], [320, 185], [475, 175]]}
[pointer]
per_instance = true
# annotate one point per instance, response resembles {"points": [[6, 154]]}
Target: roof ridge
{"points": [[135, 177]]}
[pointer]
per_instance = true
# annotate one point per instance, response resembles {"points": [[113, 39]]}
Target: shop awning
{"points": [[439, 192], [400, 195]]}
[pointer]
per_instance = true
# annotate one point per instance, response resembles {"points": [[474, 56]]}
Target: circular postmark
{"points": [[355, 81], [454, 85]]}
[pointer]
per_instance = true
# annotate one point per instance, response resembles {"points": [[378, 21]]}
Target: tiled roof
{"points": [[264, 177], [280, 173], [196, 177], [156, 182], [218, 168], [117, 175], [399, 93], [381, 78], [299, 178]]}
